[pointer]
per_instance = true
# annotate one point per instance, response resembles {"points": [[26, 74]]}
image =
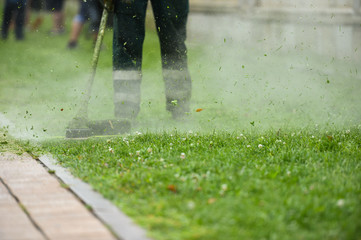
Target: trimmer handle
{"points": [[108, 5]]}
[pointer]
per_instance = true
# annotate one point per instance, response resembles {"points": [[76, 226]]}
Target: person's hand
{"points": [[109, 4]]}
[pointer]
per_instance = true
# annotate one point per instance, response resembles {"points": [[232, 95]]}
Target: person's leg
{"points": [[77, 25], [56, 8], [128, 38], [35, 6], [171, 19], [8, 9], [76, 28], [58, 19], [95, 14], [20, 20], [29, 4]]}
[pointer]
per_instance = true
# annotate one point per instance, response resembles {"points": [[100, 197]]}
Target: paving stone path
{"points": [[34, 205]]}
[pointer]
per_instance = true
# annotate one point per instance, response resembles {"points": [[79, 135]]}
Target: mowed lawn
{"points": [[287, 184], [271, 149]]}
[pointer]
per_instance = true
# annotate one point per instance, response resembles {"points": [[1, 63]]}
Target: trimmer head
{"points": [[78, 133], [110, 127], [102, 127]]}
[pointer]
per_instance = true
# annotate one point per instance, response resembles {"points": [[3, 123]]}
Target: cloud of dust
{"points": [[247, 73], [272, 74], [45, 111]]}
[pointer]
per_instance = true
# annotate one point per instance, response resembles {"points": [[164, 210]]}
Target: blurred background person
{"points": [[89, 10], [17, 8]]}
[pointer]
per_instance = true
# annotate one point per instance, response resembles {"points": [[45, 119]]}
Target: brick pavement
{"points": [[34, 205]]}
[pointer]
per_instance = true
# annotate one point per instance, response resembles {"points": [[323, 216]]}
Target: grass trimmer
{"points": [[80, 126]]}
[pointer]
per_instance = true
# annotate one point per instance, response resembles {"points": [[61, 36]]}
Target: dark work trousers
{"points": [[129, 32], [14, 7]]}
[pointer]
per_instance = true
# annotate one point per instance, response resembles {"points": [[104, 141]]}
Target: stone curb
{"points": [[120, 224]]}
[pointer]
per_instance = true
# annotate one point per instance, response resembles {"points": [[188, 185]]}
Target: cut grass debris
{"points": [[286, 184], [10, 144]]}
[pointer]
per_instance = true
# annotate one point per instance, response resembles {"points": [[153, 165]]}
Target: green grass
{"points": [[293, 174], [291, 184], [8, 144], [18, 146]]}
